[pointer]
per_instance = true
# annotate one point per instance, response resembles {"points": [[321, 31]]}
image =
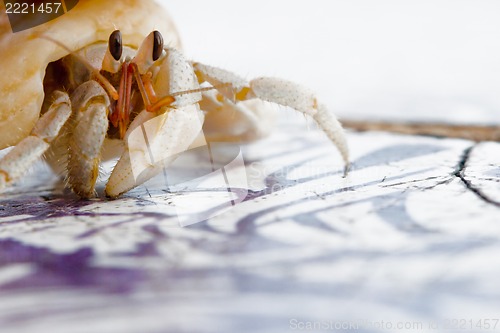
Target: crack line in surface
{"points": [[460, 173]]}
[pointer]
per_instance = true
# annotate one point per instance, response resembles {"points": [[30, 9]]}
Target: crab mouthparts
{"points": [[120, 117]]}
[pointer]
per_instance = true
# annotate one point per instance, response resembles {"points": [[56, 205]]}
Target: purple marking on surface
{"points": [[385, 155], [41, 208], [279, 179], [143, 250], [71, 270], [155, 231]]}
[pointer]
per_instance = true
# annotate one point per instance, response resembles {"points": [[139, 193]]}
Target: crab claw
{"points": [[155, 139], [153, 142]]}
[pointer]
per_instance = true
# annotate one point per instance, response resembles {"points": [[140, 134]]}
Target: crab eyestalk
{"points": [[150, 51], [112, 59]]}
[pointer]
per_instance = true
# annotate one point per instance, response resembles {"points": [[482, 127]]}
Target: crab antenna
{"points": [[151, 102], [192, 91], [107, 85], [168, 100]]}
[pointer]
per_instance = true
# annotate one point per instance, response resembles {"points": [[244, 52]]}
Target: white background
{"points": [[392, 59]]}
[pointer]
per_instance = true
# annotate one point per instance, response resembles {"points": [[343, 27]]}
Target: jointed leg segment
{"points": [[90, 103], [15, 164], [282, 92]]}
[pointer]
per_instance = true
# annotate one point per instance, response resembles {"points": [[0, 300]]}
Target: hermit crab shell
{"points": [[24, 56]]}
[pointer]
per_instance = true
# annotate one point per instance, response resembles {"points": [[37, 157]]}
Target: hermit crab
{"points": [[109, 76]]}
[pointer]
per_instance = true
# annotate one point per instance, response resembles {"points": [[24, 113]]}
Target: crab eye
{"points": [[150, 50], [115, 44], [157, 45]]}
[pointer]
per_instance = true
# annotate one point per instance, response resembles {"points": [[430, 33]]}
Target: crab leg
{"points": [[90, 102], [282, 92], [15, 164]]}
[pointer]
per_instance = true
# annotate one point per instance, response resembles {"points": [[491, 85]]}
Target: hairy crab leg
{"points": [[90, 104], [277, 91], [15, 164]]}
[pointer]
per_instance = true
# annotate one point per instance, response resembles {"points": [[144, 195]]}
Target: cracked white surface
{"points": [[401, 238], [483, 172]]}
